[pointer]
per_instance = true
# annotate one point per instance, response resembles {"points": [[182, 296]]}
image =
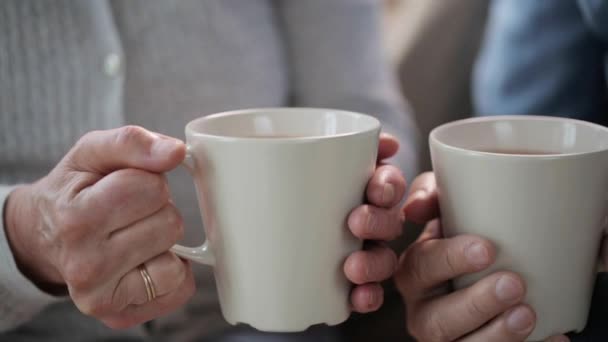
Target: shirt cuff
{"points": [[20, 299]]}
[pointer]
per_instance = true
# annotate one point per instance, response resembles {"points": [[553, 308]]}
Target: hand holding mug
{"points": [[100, 220], [489, 310], [536, 188], [492, 309], [102, 223]]}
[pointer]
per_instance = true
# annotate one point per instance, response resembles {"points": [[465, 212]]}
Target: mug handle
{"points": [[201, 254]]}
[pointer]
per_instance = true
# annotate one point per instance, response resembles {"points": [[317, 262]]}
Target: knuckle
{"points": [[66, 220], [68, 226], [450, 261], [131, 185], [475, 307], [121, 297], [178, 269], [93, 307], [81, 274], [130, 134], [87, 138], [436, 329], [415, 263], [172, 273], [174, 223], [173, 216], [160, 185], [431, 327]]}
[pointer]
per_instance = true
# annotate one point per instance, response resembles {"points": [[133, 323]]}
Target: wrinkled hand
{"points": [[489, 310], [101, 212], [378, 221]]}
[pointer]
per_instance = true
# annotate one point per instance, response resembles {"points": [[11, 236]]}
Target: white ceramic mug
{"points": [[275, 187], [545, 212]]}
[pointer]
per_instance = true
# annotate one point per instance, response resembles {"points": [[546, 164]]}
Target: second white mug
{"points": [[538, 188]]}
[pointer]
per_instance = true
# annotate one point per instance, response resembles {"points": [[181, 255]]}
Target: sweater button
{"points": [[112, 64]]}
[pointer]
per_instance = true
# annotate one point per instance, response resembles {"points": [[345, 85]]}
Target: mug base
{"points": [[286, 327]]}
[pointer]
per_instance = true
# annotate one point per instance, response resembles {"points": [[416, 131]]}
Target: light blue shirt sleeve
{"points": [[545, 58]]}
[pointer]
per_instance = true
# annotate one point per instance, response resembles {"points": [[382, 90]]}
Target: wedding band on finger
{"points": [[150, 290]]}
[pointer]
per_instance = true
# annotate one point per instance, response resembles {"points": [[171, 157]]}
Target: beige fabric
{"points": [[435, 43]]}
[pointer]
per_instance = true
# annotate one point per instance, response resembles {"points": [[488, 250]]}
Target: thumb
{"points": [[102, 152], [422, 204]]}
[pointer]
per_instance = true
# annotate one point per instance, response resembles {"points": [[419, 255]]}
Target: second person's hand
{"points": [[489, 310]]}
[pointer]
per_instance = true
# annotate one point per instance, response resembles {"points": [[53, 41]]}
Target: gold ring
{"points": [[148, 282]]}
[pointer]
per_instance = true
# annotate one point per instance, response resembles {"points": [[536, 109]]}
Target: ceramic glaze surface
{"points": [[545, 213], [275, 187]]}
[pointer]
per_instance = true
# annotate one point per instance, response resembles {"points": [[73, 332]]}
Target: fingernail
{"points": [[388, 193], [477, 255], [164, 146], [560, 338], [508, 289], [520, 320]]}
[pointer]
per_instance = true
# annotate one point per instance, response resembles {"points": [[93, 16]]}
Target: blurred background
{"points": [[433, 45]]}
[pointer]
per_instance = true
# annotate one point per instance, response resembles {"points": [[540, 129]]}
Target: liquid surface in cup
{"points": [[523, 152], [274, 136]]}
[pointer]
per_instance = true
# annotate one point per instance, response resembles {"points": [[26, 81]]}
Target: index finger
{"points": [[134, 147]]}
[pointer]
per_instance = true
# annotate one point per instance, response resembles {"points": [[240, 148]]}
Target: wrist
{"points": [[23, 236]]}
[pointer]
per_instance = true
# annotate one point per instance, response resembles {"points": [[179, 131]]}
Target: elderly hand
{"points": [[103, 211], [489, 310], [379, 220]]}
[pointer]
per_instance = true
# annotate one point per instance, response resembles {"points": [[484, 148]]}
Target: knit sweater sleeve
{"points": [[20, 299]]}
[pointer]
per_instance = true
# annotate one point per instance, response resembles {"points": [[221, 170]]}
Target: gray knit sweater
{"points": [[67, 67]]}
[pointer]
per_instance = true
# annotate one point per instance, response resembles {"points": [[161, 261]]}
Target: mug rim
{"points": [[374, 126], [434, 140]]}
